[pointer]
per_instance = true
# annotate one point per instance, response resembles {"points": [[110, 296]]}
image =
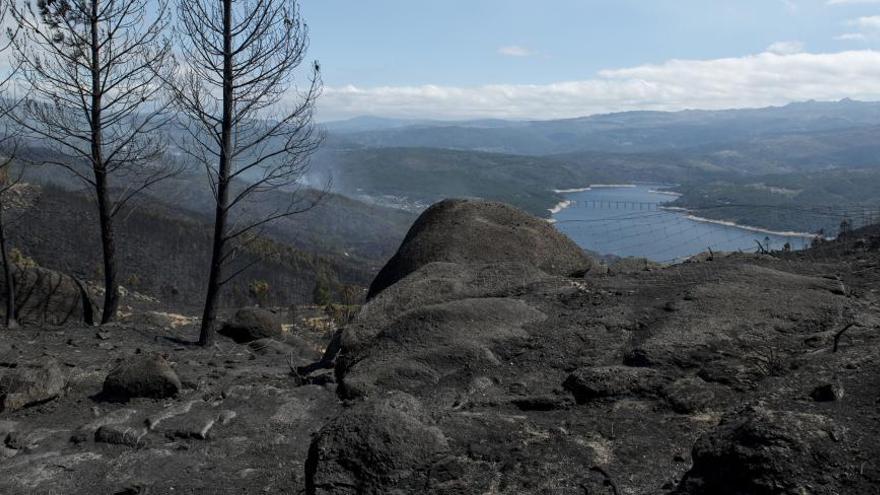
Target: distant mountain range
{"points": [[628, 132]]}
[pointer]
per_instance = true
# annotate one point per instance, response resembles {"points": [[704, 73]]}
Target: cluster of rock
{"points": [[495, 357]]}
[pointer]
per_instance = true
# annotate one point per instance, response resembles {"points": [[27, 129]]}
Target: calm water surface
{"points": [[629, 221]]}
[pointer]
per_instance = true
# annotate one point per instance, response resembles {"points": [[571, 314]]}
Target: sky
{"points": [[517, 59]]}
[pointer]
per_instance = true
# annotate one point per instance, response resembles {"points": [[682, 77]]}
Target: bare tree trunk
{"points": [[105, 216], [209, 316], [11, 319], [108, 245]]}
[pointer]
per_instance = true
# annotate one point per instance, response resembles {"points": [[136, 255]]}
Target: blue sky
{"points": [[563, 58]]}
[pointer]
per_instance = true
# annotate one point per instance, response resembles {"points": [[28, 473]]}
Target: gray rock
{"points": [[196, 425], [610, 381], [131, 436], [250, 324], [29, 384], [142, 376], [476, 232], [226, 416], [827, 392], [383, 442], [764, 452]]}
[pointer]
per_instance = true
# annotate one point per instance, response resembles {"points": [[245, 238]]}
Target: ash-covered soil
{"points": [[239, 424], [730, 375]]}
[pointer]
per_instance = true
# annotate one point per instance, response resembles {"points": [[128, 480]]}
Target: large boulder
{"points": [[250, 324], [478, 232], [377, 444], [47, 297], [142, 376], [30, 384], [762, 452]]}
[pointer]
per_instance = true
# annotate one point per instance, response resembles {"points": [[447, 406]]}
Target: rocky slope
{"points": [[495, 358]]}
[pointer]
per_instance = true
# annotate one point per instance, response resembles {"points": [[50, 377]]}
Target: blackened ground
{"points": [[491, 378]]}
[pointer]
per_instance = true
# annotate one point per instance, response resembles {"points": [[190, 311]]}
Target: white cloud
{"points": [[869, 23], [852, 37], [750, 81], [867, 28], [515, 51], [786, 47]]}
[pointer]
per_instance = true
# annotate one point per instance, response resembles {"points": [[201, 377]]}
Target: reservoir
{"points": [[632, 221]]}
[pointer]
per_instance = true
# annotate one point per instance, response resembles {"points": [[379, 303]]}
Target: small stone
{"points": [[16, 441], [79, 436], [120, 435], [103, 335], [827, 392], [226, 416], [107, 346], [196, 426], [610, 381]]}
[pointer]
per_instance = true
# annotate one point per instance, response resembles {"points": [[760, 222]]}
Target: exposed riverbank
{"points": [[727, 223]]}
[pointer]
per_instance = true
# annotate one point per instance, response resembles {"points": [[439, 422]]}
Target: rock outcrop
{"points": [[47, 297], [30, 383], [540, 382], [478, 232]]}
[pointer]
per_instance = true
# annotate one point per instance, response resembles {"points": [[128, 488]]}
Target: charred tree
{"points": [[245, 119], [95, 73]]}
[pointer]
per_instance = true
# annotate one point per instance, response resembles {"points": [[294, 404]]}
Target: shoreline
{"points": [[595, 186], [560, 206], [666, 193], [690, 216]]}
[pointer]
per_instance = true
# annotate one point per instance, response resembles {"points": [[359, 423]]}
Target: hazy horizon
{"points": [[597, 114], [507, 59]]}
